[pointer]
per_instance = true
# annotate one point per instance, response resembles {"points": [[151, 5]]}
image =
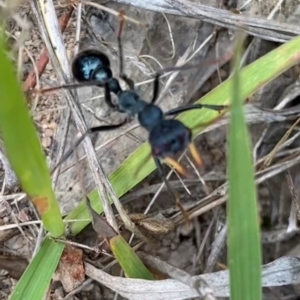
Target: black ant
{"points": [[167, 137]]}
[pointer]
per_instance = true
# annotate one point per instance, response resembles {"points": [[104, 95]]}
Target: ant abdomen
{"points": [[168, 138], [91, 65]]}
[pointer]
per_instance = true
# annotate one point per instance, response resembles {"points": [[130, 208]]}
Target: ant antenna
{"points": [[128, 81], [121, 27], [196, 65], [66, 86], [160, 72], [78, 142]]}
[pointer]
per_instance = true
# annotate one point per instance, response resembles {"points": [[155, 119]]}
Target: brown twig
{"points": [[43, 60]]}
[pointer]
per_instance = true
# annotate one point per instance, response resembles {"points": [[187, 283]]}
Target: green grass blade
{"points": [[252, 78], [23, 148], [244, 253], [36, 279], [128, 259], [122, 181]]}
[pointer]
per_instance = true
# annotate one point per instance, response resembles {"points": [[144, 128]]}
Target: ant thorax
{"points": [[169, 138], [130, 103], [114, 86], [150, 116]]}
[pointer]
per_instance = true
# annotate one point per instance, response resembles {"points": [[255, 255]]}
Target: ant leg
{"points": [[184, 68], [178, 110], [170, 189], [128, 81], [161, 173], [155, 87], [107, 97], [77, 143]]}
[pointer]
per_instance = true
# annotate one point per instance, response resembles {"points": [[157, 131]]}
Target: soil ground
{"points": [[168, 38]]}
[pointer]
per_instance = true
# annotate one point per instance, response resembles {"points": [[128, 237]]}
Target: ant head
{"points": [[169, 138], [91, 65], [149, 116]]}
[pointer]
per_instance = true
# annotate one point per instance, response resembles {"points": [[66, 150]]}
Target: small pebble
{"points": [[23, 216], [48, 67], [48, 132], [173, 246], [206, 87], [28, 43], [166, 242], [37, 43], [217, 154], [52, 125], [46, 142], [223, 73], [17, 34]]}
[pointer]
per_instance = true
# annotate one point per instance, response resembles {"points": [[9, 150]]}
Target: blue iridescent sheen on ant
{"points": [[91, 65], [166, 137]]}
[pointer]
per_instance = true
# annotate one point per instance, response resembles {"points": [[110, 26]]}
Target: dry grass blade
{"points": [[49, 28], [127, 258], [283, 271], [259, 27], [217, 248], [198, 284], [294, 194], [270, 156]]}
